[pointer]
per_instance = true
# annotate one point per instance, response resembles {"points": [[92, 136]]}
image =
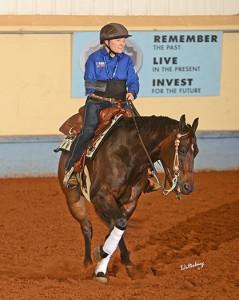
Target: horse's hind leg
{"points": [[78, 211], [76, 205]]}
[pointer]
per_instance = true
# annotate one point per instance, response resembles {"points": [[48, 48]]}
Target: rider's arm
{"points": [[132, 79], [90, 75]]}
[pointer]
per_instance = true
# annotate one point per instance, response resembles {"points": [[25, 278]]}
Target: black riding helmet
{"points": [[113, 31]]}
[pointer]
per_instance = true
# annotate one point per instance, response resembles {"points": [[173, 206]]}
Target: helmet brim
{"points": [[115, 38]]}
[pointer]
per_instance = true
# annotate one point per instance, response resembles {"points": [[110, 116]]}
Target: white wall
{"points": [[119, 7]]}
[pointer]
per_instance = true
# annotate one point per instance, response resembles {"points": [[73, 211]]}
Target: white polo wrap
{"points": [[112, 241]]}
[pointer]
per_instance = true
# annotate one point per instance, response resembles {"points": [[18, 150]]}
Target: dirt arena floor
{"points": [[184, 249]]}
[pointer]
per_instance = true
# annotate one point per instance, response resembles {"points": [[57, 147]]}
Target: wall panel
{"points": [[102, 7], [8, 7], [124, 7], [231, 7], [26, 7], [63, 7], [196, 7], [178, 8], [5, 7], [141, 8], [214, 7], [82, 7], [159, 7], [35, 74], [45, 8]]}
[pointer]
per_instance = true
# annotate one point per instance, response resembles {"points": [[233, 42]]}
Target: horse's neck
{"points": [[154, 130]]}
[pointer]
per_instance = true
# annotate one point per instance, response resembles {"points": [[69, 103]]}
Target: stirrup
{"points": [[70, 180]]}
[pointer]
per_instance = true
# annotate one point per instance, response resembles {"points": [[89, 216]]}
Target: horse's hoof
{"points": [[101, 277], [87, 263], [130, 271], [97, 253]]}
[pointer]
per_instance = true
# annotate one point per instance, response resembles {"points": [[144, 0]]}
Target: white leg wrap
{"points": [[102, 265], [112, 241]]}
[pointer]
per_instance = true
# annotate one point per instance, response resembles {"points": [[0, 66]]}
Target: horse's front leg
{"points": [[110, 213], [124, 253], [127, 210]]}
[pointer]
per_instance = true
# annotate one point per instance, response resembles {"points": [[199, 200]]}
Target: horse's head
{"points": [[177, 155]]}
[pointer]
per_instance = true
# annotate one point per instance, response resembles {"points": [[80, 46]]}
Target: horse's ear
{"points": [[182, 123], [195, 125]]}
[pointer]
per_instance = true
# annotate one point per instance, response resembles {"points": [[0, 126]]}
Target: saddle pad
{"points": [[92, 150], [65, 144]]}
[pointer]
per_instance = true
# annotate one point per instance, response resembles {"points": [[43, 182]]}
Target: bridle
{"points": [[175, 176]]}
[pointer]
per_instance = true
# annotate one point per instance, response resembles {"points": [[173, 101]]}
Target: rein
{"points": [[175, 162], [132, 108]]}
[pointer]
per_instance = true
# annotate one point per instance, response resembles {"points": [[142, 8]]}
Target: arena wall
{"points": [[35, 75], [119, 8]]}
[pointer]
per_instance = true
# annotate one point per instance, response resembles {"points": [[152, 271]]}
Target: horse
{"points": [[119, 175]]}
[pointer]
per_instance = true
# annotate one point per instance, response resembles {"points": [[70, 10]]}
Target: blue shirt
{"points": [[120, 67]]}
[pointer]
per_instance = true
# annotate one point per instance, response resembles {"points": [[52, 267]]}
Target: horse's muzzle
{"points": [[186, 188]]}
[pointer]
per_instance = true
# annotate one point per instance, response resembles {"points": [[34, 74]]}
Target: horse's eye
{"points": [[182, 150]]}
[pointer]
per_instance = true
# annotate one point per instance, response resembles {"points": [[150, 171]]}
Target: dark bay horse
{"points": [[119, 175]]}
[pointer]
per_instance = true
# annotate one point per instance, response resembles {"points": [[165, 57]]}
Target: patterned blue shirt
{"points": [[100, 67]]}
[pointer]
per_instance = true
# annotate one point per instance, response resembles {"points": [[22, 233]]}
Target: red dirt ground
{"points": [[41, 245]]}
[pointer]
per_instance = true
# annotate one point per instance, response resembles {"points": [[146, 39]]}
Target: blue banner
{"points": [[169, 63]]}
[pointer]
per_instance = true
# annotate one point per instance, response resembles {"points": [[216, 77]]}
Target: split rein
{"points": [[175, 162]]}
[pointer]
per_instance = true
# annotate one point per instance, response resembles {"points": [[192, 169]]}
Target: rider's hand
{"points": [[130, 96]]}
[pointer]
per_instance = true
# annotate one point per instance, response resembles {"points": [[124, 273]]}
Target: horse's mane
{"points": [[159, 124], [156, 123]]}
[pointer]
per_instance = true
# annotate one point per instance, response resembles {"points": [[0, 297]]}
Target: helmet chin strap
{"points": [[110, 50]]}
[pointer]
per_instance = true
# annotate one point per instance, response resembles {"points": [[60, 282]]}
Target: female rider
{"points": [[109, 77]]}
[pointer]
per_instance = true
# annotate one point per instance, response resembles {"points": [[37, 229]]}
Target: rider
{"points": [[109, 77]]}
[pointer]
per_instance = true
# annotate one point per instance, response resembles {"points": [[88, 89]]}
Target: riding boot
{"points": [[152, 186], [70, 180]]}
